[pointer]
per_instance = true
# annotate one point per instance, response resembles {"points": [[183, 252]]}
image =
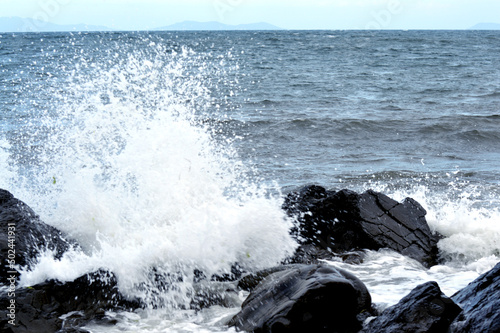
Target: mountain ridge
{"points": [[486, 26], [214, 25], [19, 24]]}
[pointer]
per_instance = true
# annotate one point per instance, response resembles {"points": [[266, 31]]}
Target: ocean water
{"points": [[173, 150]]}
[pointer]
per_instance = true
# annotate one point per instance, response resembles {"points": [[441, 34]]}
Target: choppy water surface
{"points": [[172, 150]]}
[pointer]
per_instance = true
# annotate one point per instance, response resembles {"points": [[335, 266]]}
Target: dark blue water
{"points": [[341, 104], [409, 113], [310, 106]]}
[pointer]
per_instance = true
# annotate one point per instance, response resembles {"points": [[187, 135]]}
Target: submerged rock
{"points": [[480, 302], [41, 308], [425, 309], [345, 220], [305, 298], [23, 235]]}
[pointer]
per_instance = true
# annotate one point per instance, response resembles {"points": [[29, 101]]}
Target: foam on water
{"points": [[464, 215], [389, 276], [5, 171], [126, 168], [122, 159]]}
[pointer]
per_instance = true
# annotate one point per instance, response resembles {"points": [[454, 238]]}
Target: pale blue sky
{"points": [[289, 14]]}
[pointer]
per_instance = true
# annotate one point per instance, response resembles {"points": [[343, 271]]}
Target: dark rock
{"points": [[424, 309], [480, 302], [207, 294], [73, 330], [39, 308], [345, 220], [305, 298], [72, 322], [252, 280], [354, 257], [235, 274], [24, 235], [310, 254]]}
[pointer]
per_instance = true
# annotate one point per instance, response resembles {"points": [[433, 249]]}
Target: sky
{"points": [[288, 14]]}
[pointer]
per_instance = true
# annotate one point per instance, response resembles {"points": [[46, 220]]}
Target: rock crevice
{"points": [[344, 220]]}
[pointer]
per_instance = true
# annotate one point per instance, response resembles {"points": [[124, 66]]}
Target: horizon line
{"points": [[225, 27]]}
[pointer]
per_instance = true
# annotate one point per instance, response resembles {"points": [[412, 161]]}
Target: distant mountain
{"points": [[193, 25], [18, 24], [486, 26]]}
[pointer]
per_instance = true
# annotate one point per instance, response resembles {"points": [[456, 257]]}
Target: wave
{"points": [[126, 165], [460, 208], [490, 95], [426, 125]]}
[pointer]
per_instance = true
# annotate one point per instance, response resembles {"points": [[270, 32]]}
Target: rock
{"points": [[207, 294], [24, 235], [345, 220], [250, 281], [480, 302], [310, 254], [305, 298], [424, 309], [39, 308]]}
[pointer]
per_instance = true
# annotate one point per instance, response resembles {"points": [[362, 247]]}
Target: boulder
{"points": [[424, 309], [250, 281], [345, 220], [23, 235], [52, 305], [310, 254], [305, 298], [480, 302]]}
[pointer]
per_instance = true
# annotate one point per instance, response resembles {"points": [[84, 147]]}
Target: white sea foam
{"points": [[131, 173], [117, 157], [466, 215], [471, 231], [470, 244], [6, 170], [389, 276]]}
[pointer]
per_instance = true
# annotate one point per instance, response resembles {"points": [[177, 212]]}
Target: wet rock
{"points": [[207, 294], [250, 281], [23, 235], [235, 274], [305, 298], [309, 254], [480, 302], [424, 309], [345, 220], [39, 308]]}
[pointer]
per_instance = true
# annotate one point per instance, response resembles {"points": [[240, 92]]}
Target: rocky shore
{"points": [[304, 294]]}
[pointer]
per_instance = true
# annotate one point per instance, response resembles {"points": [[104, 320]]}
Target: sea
{"points": [[171, 152]]}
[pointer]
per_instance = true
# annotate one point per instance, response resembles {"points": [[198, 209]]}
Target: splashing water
{"points": [[464, 213], [126, 166], [118, 145]]}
